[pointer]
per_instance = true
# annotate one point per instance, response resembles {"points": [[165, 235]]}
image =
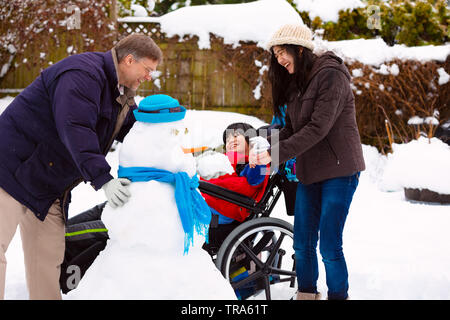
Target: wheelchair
{"points": [[256, 256]]}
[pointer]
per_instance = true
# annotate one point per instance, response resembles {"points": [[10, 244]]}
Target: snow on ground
{"points": [[395, 249]]}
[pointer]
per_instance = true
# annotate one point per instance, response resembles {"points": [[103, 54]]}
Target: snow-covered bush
{"points": [[408, 22], [391, 97]]}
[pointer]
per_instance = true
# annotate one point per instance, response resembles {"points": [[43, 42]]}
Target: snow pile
{"points": [[4, 102], [444, 77], [418, 164], [375, 163], [357, 73], [414, 121], [211, 165], [375, 51], [138, 10], [327, 10], [253, 21], [386, 70]]}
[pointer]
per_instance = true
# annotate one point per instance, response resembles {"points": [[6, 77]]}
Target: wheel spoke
{"points": [[267, 288], [275, 249], [282, 272], [263, 242], [252, 256], [283, 280]]}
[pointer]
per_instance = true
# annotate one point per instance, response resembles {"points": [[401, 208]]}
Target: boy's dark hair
{"points": [[242, 128]]}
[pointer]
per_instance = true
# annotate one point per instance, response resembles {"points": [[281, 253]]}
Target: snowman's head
{"points": [[156, 139]]}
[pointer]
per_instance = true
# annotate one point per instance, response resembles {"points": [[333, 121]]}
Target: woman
{"points": [[321, 132]]}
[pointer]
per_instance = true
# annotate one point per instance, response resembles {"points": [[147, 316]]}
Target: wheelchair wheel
{"points": [[257, 258]]}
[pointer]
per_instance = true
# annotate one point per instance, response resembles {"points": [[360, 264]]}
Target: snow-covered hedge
{"points": [[412, 23], [400, 100]]}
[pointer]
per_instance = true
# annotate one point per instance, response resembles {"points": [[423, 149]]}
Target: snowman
{"points": [[154, 251]]}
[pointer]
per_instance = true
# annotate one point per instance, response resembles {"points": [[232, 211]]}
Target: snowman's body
{"points": [[144, 257]]}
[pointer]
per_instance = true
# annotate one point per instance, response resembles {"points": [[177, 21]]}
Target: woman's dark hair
{"points": [[242, 128], [282, 82]]}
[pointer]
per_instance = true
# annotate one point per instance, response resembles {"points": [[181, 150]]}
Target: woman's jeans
{"points": [[321, 208]]}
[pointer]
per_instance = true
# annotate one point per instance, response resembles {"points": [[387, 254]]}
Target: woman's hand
{"points": [[255, 159]]}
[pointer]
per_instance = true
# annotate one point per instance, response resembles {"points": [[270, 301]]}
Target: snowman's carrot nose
{"points": [[193, 150]]}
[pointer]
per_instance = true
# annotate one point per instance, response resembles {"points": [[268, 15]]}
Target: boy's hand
{"points": [[252, 158], [263, 158], [255, 159]]}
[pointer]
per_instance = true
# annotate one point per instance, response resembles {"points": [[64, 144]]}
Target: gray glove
{"points": [[117, 192]]}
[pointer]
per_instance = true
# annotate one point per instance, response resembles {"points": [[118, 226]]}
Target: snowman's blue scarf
{"points": [[193, 209]]}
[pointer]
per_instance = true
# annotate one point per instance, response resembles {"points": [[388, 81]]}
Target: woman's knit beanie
{"points": [[297, 34]]}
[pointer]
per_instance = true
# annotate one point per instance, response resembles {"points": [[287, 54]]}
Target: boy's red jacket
{"points": [[238, 184]]}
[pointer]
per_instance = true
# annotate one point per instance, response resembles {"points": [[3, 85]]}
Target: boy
{"points": [[245, 180]]}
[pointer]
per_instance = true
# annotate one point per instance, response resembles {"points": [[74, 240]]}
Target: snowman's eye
{"points": [[175, 132], [186, 131]]}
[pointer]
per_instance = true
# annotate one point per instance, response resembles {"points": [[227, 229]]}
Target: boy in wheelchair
{"points": [[245, 180], [248, 181]]}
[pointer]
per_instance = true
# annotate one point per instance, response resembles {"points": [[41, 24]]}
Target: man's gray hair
{"points": [[138, 45]]}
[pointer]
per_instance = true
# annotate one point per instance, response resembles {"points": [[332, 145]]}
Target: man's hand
{"points": [[116, 191]]}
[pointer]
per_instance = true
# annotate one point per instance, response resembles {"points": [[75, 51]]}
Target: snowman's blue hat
{"points": [[159, 108]]}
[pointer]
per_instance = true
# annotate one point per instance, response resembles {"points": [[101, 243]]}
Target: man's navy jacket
{"points": [[57, 131]]}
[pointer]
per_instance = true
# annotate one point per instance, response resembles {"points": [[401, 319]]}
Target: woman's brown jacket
{"points": [[321, 130]]}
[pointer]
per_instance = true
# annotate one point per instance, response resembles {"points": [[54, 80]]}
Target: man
{"points": [[56, 134]]}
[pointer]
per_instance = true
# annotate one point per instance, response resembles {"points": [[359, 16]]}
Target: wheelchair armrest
{"points": [[227, 195]]}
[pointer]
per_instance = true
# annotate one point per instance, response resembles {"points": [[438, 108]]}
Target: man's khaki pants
{"points": [[43, 246]]}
